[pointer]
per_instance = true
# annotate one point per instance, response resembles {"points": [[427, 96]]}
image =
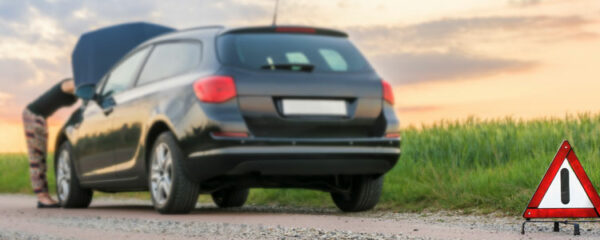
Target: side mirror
{"points": [[86, 92]]}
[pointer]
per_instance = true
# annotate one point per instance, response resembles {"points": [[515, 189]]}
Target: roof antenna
{"points": [[275, 13]]}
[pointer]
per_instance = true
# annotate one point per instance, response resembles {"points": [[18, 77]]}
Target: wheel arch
{"points": [[60, 139], [157, 127]]}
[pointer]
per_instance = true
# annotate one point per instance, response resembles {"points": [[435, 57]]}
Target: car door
{"points": [[92, 148], [133, 109], [102, 136]]}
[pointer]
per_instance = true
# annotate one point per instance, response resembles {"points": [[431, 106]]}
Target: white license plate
{"points": [[314, 107]]}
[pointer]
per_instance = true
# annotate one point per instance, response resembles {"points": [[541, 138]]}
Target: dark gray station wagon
{"points": [[216, 111]]}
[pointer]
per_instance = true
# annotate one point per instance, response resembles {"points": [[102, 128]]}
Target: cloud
{"points": [[226, 12], [461, 48], [453, 26], [45, 65], [77, 17], [13, 10], [4, 97], [408, 68], [523, 3], [452, 33], [15, 71]]}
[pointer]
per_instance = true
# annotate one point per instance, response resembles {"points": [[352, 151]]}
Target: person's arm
{"points": [[68, 86]]}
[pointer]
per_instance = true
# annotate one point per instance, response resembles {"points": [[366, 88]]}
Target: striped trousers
{"points": [[36, 133]]}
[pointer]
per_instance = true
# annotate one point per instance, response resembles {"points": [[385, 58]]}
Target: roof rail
{"points": [[201, 27]]}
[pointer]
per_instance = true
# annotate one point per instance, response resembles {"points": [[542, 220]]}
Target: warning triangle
{"points": [[565, 191]]}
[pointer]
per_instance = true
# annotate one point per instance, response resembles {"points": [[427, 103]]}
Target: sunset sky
{"points": [[446, 59]]}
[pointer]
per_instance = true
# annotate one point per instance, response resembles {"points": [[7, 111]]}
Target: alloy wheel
{"points": [[161, 174], [63, 175]]}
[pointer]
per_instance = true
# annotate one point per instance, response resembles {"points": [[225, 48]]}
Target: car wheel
{"points": [[172, 192], [70, 193], [363, 195], [230, 197]]}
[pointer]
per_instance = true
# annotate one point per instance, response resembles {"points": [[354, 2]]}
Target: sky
{"points": [[447, 60]]}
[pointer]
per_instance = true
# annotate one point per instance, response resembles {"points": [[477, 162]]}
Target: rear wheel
{"points": [[70, 193], [230, 197], [172, 192], [363, 195]]}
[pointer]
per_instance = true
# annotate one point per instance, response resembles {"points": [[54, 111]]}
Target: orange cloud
{"points": [[418, 67], [5, 96]]}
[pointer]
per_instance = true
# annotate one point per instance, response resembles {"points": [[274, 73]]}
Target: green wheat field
{"points": [[490, 166]]}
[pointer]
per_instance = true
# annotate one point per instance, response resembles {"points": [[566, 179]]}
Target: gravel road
{"points": [[135, 219]]}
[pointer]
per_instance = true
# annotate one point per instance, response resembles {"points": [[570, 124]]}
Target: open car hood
{"points": [[97, 51]]}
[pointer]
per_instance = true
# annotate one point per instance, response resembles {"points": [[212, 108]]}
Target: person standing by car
{"points": [[36, 134]]}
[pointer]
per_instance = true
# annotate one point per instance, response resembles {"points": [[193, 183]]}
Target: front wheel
{"points": [[363, 195], [172, 192], [70, 193]]}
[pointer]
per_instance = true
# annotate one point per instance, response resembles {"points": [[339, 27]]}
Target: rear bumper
{"points": [[300, 157]]}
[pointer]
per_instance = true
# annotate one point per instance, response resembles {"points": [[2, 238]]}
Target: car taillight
{"points": [[388, 93], [215, 89]]}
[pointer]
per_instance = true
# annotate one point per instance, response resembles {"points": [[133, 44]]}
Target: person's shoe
{"points": [[53, 205]]}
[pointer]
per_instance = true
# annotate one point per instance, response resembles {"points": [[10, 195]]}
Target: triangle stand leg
{"points": [[556, 228], [523, 226]]}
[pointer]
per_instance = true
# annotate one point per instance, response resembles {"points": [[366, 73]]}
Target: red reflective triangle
{"points": [[564, 152]]}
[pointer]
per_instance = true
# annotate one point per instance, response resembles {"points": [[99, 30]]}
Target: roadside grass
{"points": [[475, 165], [14, 174], [485, 165]]}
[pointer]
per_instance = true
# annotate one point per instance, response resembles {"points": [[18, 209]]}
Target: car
{"points": [[218, 111]]}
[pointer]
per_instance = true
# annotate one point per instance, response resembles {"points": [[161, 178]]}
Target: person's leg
{"points": [[36, 133]]}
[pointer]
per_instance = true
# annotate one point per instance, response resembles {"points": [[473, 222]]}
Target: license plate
{"points": [[314, 107]]}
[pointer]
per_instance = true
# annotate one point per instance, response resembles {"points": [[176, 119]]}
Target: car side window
{"points": [[170, 59], [123, 76]]}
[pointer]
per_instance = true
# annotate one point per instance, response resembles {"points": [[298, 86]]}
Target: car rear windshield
{"points": [[293, 52]]}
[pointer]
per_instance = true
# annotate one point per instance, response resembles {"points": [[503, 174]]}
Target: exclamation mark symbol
{"points": [[564, 186]]}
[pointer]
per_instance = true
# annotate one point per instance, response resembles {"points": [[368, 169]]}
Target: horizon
{"points": [[526, 59]]}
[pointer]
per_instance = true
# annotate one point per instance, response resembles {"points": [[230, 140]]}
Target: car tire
{"points": [[171, 191], [70, 194], [230, 197], [363, 195]]}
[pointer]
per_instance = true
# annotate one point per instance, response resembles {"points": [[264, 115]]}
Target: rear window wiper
{"points": [[290, 67]]}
